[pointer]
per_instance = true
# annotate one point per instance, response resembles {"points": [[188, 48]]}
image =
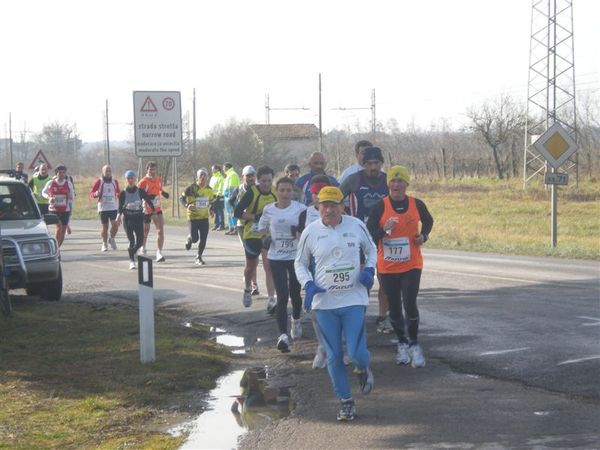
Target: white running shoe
{"points": [[320, 361], [416, 356], [402, 356], [159, 257], [296, 330], [271, 305], [142, 251], [113, 243], [104, 247], [347, 360], [247, 299], [131, 265], [283, 344]]}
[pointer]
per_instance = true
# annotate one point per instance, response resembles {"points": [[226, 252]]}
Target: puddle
{"points": [[242, 401]]}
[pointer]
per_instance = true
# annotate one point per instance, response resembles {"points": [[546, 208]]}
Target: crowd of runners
{"points": [[329, 238]]}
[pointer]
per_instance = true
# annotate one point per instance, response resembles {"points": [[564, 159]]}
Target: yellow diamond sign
{"points": [[555, 145]]}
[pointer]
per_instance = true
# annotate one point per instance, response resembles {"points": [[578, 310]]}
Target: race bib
{"points": [[285, 243], [339, 279], [254, 227], [134, 206], [396, 249], [108, 198], [202, 202], [60, 200]]}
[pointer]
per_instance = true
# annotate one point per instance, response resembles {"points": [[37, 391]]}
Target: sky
{"points": [[428, 60]]}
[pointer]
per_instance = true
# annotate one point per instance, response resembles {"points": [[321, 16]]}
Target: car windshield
{"points": [[16, 202]]}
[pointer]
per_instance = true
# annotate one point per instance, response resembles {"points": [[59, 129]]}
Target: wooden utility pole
{"points": [[320, 119], [107, 136]]}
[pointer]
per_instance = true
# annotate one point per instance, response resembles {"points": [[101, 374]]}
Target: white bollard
{"points": [[146, 307]]}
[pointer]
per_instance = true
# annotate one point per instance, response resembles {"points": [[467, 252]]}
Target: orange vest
{"points": [[397, 252], [152, 186]]}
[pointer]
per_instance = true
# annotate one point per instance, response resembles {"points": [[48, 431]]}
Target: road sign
{"points": [[558, 178], [39, 158], [157, 123], [555, 145]]}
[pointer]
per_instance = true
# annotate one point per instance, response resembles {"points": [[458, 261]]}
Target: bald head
{"points": [[317, 163], [106, 171]]}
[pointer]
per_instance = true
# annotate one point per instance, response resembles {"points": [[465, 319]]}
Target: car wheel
{"points": [[52, 291]]}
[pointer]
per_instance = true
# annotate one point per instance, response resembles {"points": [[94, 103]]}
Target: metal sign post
{"points": [[146, 310]]}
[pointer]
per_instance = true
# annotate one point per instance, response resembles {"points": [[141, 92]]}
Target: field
{"points": [[484, 215]]}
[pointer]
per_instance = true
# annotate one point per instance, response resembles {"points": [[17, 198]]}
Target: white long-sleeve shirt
{"points": [[336, 251], [281, 224]]}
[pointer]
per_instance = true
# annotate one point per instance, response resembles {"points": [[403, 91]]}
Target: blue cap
{"points": [[129, 173]]}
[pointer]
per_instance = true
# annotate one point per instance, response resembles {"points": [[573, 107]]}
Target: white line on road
{"points": [[573, 361], [501, 352], [595, 321]]}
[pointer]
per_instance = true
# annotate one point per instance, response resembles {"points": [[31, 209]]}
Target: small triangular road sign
{"points": [[148, 106], [38, 159]]}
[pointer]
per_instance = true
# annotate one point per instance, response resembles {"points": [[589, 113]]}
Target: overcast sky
{"points": [[428, 59]]}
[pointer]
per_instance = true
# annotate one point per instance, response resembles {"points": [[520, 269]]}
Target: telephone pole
{"points": [[372, 108], [107, 136]]}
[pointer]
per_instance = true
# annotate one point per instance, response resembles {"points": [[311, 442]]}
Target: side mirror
{"points": [[50, 219]]}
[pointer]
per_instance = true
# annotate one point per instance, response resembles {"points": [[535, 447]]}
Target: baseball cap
{"points": [[373, 154], [129, 173], [398, 173], [249, 170], [330, 194]]}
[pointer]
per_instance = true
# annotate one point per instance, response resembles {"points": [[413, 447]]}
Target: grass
{"points": [[483, 215], [70, 377]]}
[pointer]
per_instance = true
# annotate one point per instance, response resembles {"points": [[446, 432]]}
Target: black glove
{"points": [[165, 194], [266, 242]]}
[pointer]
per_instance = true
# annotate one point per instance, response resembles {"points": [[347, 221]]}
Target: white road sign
{"points": [[157, 123], [555, 145]]}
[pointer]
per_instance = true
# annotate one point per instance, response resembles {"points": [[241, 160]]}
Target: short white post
{"points": [[146, 307]]}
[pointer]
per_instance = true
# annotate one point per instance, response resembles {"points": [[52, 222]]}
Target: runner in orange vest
{"points": [[399, 225]]}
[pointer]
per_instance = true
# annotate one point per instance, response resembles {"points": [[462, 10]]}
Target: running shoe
{"points": [[416, 356], [347, 410], [188, 243], [296, 330], [199, 261], [271, 305], [159, 257], [320, 361], [104, 247], [142, 251], [255, 290], [366, 381], [131, 265], [283, 344], [113, 243], [347, 360], [383, 325], [402, 356], [220, 228], [214, 228], [247, 299]]}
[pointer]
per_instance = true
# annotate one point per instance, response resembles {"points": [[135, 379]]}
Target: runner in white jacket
{"points": [[338, 292]]}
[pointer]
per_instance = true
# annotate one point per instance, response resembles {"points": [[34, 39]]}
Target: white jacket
{"points": [[336, 251]]}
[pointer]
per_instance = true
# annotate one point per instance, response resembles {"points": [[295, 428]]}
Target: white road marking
{"points": [[501, 352], [573, 361], [595, 321]]}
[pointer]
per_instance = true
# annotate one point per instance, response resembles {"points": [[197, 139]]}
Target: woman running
{"points": [[131, 213], [277, 226]]}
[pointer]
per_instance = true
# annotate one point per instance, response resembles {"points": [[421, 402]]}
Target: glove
{"points": [[266, 242], [165, 194], [310, 289], [367, 277]]}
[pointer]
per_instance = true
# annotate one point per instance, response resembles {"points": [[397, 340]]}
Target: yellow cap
{"points": [[398, 173], [330, 194]]}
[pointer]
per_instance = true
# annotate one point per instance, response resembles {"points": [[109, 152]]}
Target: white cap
{"points": [[249, 170]]}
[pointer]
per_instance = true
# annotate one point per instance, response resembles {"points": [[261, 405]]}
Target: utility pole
{"points": [[194, 127], [10, 146], [268, 109], [320, 118], [373, 113], [107, 136]]}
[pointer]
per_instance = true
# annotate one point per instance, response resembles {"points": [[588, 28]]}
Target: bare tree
{"points": [[497, 122]]}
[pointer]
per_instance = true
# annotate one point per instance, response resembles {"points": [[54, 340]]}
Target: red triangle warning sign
{"points": [[38, 159], [148, 106]]}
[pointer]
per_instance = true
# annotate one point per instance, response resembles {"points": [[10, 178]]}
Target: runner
{"points": [[394, 225], [106, 191], [359, 149], [36, 184], [59, 193], [363, 189], [292, 171], [250, 209], [278, 224], [338, 291], [230, 183], [248, 179], [131, 213], [152, 184], [198, 199], [317, 164], [217, 183]]}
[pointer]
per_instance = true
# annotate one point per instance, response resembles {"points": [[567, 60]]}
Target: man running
{"points": [[131, 213], [359, 149], [59, 192], [394, 226], [36, 184], [338, 291], [363, 189], [278, 225], [317, 164], [152, 184], [197, 199], [106, 191], [250, 209], [230, 183]]}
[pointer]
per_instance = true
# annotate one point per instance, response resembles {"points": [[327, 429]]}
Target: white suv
{"points": [[31, 255]]}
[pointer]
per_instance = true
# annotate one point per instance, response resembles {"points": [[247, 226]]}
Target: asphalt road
{"points": [[512, 345]]}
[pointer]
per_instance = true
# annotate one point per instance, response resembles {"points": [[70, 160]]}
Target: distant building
{"points": [[283, 144]]}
